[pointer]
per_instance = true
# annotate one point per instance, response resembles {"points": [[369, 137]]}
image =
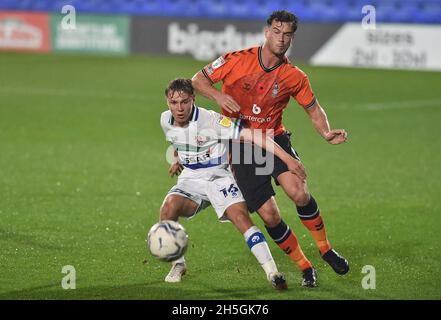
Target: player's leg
{"points": [[258, 193], [311, 218], [173, 207], [283, 236], [237, 213], [307, 209], [228, 202]]}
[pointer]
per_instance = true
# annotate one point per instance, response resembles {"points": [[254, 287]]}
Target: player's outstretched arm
{"points": [[204, 87], [266, 142], [320, 121]]}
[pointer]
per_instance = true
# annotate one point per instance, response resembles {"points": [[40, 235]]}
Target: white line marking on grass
{"points": [[404, 104], [71, 93]]}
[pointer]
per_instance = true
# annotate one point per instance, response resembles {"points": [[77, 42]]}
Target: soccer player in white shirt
{"points": [[200, 139]]}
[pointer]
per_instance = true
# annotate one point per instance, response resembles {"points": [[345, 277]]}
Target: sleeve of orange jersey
{"points": [[303, 92], [220, 68]]}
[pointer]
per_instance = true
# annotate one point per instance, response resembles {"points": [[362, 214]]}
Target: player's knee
{"points": [[271, 218], [270, 214], [168, 211], [299, 197]]}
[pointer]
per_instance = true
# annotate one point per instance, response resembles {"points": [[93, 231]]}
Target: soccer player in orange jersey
{"points": [[257, 84]]}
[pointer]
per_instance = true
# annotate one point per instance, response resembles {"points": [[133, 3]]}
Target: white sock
{"points": [[259, 248], [180, 260]]}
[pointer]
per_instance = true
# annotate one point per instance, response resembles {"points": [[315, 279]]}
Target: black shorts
{"points": [[257, 189]]}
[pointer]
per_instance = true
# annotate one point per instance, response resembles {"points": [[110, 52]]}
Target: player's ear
{"points": [[265, 31]]}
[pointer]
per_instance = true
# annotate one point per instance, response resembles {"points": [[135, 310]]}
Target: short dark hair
{"points": [[283, 16], [180, 84]]}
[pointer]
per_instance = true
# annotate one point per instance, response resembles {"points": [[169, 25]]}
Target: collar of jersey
{"points": [[263, 66], [193, 117]]}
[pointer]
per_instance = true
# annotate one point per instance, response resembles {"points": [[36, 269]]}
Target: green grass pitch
{"points": [[83, 174]]}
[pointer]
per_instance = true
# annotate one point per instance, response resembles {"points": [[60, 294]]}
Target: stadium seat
{"points": [[406, 11], [80, 6], [241, 9], [7, 4], [351, 11], [402, 11], [263, 8], [24, 5], [306, 13], [214, 9], [173, 8], [40, 5], [385, 11], [328, 10], [296, 7], [148, 7], [429, 12]]}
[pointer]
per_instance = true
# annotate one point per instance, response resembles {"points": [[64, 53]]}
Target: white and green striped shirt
{"points": [[203, 142]]}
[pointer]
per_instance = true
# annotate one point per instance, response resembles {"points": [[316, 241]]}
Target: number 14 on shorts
{"points": [[231, 190]]}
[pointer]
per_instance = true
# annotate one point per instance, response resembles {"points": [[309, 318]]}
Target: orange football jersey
{"points": [[262, 93]]}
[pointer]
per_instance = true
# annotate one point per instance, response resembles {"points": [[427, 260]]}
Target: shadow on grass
{"points": [[26, 239], [152, 291], [200, 285], [350, 289]]}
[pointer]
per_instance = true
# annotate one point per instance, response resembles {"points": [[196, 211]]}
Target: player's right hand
{"points": [[297, 168], [227, 103], [175, 169]]}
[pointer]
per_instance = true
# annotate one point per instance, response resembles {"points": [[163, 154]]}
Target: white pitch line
{"points": [[70, 93], [404, 104]]}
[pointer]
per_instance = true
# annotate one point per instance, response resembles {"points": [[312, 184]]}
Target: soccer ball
{"points": [[167, 240]]}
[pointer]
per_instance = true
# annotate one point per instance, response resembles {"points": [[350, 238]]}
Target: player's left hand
{"points": [[297, 168], [175, 169], [336, 136]]}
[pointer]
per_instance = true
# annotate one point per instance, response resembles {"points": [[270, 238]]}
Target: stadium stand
{"points": [[399, 11]]}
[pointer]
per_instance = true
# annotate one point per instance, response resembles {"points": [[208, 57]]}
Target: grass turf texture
{"points": [[83, 174]]}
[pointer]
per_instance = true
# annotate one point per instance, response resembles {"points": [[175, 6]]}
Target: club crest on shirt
{"points": [[200, 140], [224, 122]]}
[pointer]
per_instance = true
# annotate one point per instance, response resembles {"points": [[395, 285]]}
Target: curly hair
{"points": [[283, 16]]}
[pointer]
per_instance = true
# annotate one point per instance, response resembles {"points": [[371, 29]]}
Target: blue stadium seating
{"points": [[399, 11]]}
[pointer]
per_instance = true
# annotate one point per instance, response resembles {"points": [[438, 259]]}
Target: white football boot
{"points": [[176, 272]]}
